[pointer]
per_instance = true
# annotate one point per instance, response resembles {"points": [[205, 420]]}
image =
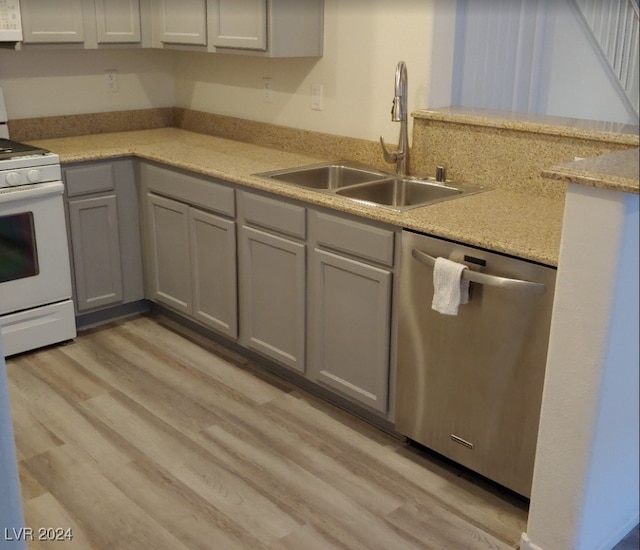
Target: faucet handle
{"points": [[390, 157]]}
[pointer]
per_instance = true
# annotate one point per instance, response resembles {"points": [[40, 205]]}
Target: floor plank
{"points": [[141, 434], [96, 504]]}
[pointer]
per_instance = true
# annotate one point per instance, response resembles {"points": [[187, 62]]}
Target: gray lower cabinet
{"points": [[350, 308], [312, 291], [213, 271], [272, 279], [95, 245], [193, 259], [170, 256], [190, 246], [104, 234]]}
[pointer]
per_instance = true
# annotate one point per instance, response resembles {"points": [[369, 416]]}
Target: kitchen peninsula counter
{"points": [[520, 224], [617, 171]]}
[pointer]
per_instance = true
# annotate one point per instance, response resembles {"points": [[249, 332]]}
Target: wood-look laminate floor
{"points": [[141, 434]]}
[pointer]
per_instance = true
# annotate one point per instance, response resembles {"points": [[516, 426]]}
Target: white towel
{"points": [[449, 288]]}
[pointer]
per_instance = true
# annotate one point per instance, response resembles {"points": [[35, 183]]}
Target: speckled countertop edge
{"points": [[618, 171], [551, 125], [521, 225]]}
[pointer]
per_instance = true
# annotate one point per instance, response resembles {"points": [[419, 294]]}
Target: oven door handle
{"points": [[485, 279], [31, 191]]}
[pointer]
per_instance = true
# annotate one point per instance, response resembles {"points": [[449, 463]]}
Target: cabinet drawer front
{"points": [[359, 239], [194, 190], [84, 180], [274, 214]]}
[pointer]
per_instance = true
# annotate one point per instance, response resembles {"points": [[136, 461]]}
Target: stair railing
{"points": [[615, 25]]}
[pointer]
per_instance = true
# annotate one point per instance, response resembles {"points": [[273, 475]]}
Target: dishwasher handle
{"points": [[484, 278]]}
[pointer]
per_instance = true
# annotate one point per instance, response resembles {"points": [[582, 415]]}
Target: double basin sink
{"points": [[371, 186]]}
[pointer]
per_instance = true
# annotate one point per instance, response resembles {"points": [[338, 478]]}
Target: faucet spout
{"points": [[399, 114], [399, 110]]}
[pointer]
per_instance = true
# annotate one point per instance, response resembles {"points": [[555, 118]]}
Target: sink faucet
{"points": [[399, 114]]}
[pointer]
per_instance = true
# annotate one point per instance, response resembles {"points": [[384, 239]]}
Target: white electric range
{"points": [[36, 308]]}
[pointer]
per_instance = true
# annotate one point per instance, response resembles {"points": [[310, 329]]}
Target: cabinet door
{"points": [[95, 245], [272, 291], [182, 21], [168, 235], [118, 21], [47, 21], [213, 271], [239, 24], [349, 327]]}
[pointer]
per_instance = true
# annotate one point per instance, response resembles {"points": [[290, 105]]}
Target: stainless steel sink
{"points": [[327, 176], [405, 193], [367, 185]]}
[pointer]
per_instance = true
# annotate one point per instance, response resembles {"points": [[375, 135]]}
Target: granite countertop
{"points": [[504, 221], [618, 171]]}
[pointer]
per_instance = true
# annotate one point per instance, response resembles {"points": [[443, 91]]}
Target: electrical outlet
{"points": [[317, 99], [111, 80], [267, 89]]}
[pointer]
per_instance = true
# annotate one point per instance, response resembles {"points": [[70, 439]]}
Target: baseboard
{"points": [[526, 544], [96, 318]]}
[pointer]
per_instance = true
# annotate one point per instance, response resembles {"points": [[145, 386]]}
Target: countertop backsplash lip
{"points": [[614, 132], [508, 150], [50, 127]]}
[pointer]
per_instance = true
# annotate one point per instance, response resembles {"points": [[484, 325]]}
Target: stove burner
{"points": [[12, 149]]}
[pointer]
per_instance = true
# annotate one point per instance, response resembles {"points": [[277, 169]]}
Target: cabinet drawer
{"points": [[194, 190], [84, 180], [358, 239], [274, 214]]}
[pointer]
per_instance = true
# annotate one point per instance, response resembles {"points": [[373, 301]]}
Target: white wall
{"points": [[364, 39], [48, 82], [585, 483], [363, 42]]}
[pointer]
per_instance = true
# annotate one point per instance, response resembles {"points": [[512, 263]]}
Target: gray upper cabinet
{"points": [[239, 24], [44, 21], [190, 252], [274, 28], [118, 21], [102, 210], [86, 23], [182, 22], [273, 279], [350, 308]]}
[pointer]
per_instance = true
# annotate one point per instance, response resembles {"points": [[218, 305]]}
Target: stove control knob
{"points": [[13, 178], [34, 176]]}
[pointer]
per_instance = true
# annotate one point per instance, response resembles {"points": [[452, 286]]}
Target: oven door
{"points": [[34, 256]]}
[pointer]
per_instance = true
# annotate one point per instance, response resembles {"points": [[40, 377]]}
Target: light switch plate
{"points": [[267, 89], [317, 99]]}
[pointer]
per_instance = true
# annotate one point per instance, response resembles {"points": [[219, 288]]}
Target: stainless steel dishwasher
{"points": [[469, 386]]}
